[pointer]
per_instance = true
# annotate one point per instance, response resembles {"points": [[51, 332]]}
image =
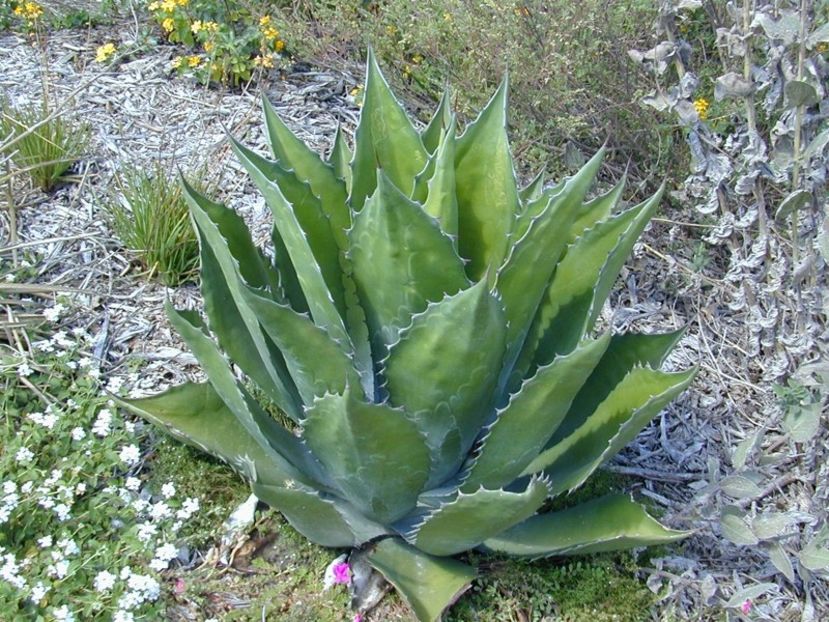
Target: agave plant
{"points": [[427, 329]]}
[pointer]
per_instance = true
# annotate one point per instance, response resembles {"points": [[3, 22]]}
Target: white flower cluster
{"points": [[54, 313], [10, 501], [142, 588], [48, 420], [103, 423]]}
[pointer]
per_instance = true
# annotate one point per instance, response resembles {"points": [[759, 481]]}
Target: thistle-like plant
{"points": [[427, 326]]}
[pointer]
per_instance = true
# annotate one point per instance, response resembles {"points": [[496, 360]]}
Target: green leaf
{"points": [[322, 306], [469, 519], [532, 190], [401, 260], [735, 528], [799, 93], [385, 139], [532, 415], [316, 364], [441, 201], [739, 487], [290, 289], [263, 428], [609, 523], [596, 210], [309, 167], [429, 584], [625, 352], [802, 421], [340, 158], [195, 414], [227, 252], [443, 372], [373, 453], [440, 121], [780, 559], [618, 419], [486, 188], [311, 218]]}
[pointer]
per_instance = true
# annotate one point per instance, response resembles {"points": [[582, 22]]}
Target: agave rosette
{"points": [[427, 326]]}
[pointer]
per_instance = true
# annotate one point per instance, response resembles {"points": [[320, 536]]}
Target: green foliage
{"points": [[426, 328], [150, 217], [41, 141]]}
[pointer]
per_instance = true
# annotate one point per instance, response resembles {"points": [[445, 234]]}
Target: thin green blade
{"points": [[429, 584], [385, 139], [486, 188], [374, 454], [401, 261], [606, 524], [532, 415], [443, 371], [439, 122], [340, 158], [470, 519]]}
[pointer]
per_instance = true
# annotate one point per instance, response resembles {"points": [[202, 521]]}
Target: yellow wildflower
{"points": [[182, 2], [210, 26], [407, 71], [168, 24], [701, 105], [29, 10], [176, 62], [264, 20], [208, 46], [270, 33], [193, 61], [168, 5], [522, 11], [153, 6], [447, 16], [104, 52], [822, 47], [263, 61], [417, 59], [279, 45], [196, 26]]}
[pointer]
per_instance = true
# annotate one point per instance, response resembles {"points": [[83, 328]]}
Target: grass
{"points": [[41, 144], [152, 220]]}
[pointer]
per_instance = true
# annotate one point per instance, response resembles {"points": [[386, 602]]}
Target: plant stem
{"points": [[12, 213]]}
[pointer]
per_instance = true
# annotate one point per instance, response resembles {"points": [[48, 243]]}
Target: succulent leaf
{"points": [[401, 260], [532, 416], [596, 210], [606, 524], [439, 122], [441, 198], [290, 290], [374, 454], [385, 139], [486, 188], [617, 420], [340, 158], [226, 249], [469, 519], [443, 371], [429, 584], [533, 190]]}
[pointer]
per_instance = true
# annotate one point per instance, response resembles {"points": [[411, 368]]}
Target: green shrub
{"points": [[41, 142], [150, 217]]}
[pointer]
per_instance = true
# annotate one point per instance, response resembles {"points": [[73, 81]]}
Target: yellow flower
{"points": [[104, 52], [153, 6], [407, 71], [522, 11], [822, 47], [263, 61], [701, 105], [264, 20], [168, 24], [279, 45], [196, 26], [168, 5], [208, 46], [270, 33], [193, 61], [182, 2], [447, 16], [176, 62], [210, 26], [29, 10], [417, 59]]}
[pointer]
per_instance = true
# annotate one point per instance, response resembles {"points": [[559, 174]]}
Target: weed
{"points": [[151, 219]]}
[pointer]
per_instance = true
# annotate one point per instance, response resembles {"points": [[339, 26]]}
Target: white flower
{"points": [[61, 339], [123, 616], [114, 384], [102, 423], [78, 434], [160, 510], [10, 570], [24, 455], [125, 573], [59, 569], [53, 314], [23, 370], [80, 488], [69, 546], [9, 487], [38, 592], [166, 552], [104, 581], [130, 454], [146, 531], [159, 565], [45, 542], [62, 511], [5, 513], [168, 490], [132, 483], [27, 487], [188, 508], [46, 503], [62, 614]]}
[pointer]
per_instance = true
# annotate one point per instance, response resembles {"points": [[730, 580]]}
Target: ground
{"points": [[687, 465]]}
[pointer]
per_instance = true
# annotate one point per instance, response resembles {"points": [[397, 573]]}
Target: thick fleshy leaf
{"points": [[606, 524], [596, 210], [441, 200], [374, 454], [532, 415], [320, 302], [314, 222], [227, 251], [618, 419], [340, 158], [295, 155], [263, 428], [438, 124], [443, 372], [532, 190], [581, 284], [625, 352], [195, 414], [429, 584], [316, 364], [486, 188], [525, 275], [470, 519], [385, 139], [290, 289], [401, 261]]}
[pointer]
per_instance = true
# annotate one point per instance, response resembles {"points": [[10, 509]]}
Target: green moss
{"points": [[597, 485]]}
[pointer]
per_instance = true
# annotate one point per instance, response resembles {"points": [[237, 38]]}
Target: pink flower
{"points": [[342, 573], [746, 606], [358, 617], [179, 586]]}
